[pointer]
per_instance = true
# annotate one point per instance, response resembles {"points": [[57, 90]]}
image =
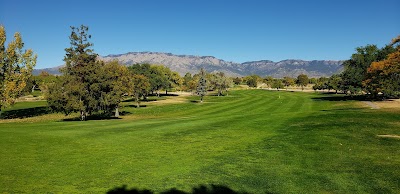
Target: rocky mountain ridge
{"points": [[190, 63]]}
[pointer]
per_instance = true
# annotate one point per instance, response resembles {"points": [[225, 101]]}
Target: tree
{"points": [[288, 81], [277, 83], [186, 80], [237, 80], [80, 72], [202, 84], [384, 76], [252, 80], [334, 82], [160, 77], [302, 80], [269, 80], [175, 80], [16, 67], [220, 82], [141, 87], [115, 83], [355, 69], [87, 86]]}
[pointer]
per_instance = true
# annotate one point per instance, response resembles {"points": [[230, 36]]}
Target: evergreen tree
{"points": [[80, 72], [88, 86], [202, 84]]}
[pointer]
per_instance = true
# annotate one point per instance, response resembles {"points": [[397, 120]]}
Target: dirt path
{"points": [[390, 136], [180, 98], [371, 104]]}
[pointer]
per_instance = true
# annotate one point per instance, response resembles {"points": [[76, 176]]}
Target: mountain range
{"points": [[190, 63]]}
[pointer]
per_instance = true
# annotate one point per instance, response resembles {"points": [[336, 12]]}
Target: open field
{"points": [[251, 140]]}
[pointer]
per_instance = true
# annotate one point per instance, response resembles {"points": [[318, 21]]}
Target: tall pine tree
{"points": [[202, 85]]}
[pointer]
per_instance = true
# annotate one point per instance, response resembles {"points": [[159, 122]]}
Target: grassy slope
{"points": [[252, 140]]}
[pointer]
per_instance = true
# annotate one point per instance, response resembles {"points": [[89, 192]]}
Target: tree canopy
{"points": [[16, 66]]}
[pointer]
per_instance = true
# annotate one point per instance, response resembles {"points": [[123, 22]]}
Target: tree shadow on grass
{"points": [[25, 113], [135, 106], [145, 100], [93, 118], [202, 189], [341, 98]]}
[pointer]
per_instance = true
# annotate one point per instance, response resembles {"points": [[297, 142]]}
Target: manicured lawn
{"points": [[251, 140]]}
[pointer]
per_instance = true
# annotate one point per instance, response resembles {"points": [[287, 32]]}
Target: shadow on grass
{"points": [[93, 118], [202, 189], [332, 96], [146, 100], [341, 98], [25, 113], [135, 106]]}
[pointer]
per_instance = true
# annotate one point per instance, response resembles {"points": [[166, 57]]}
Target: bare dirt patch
{"points": [[371, 104], [390, 136], [393, 103], [179, 98]]}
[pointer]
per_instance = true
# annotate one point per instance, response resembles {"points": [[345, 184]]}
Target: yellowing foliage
{"points": [[384, 76], [16, 66]]}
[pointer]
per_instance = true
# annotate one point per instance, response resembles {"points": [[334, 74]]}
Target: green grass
{"points": [[251, 140]]}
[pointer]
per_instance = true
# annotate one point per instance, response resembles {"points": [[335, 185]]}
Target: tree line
{"points": [[254, 81], [90, 86], [371, 71]]}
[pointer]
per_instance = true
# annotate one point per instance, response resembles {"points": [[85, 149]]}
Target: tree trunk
{"points": [[33, 88], [166, 92], [201, 99], [83, 116], [116, 112]]}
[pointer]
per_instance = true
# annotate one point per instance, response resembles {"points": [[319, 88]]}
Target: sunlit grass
{"points": [[251, 140]]}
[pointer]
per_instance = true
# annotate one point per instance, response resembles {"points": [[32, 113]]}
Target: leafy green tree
{"points": [[252, 80], [159, 76], [334, 82], [277, 83], [80, 73], [312, 80], [384, 76], [115, 83], [269, 80], [220, 82], [186, 80], [87, 86], [288, 81], [237, 80], [302, 80], [355, 69], [141, 87], [16, 67], [202, 84], [175, 81], [39, 82]]}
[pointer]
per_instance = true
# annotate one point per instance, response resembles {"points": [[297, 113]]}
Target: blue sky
{"points": [[235, 30]]}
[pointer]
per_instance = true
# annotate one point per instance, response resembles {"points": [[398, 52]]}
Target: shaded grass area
{"points": [[252, 140], [25, 110]]}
